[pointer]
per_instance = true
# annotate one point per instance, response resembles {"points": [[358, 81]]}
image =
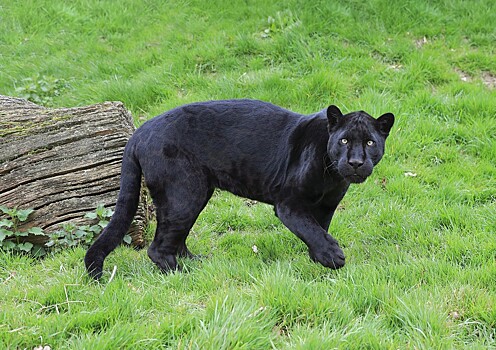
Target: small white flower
{"points": [[255, 249]]}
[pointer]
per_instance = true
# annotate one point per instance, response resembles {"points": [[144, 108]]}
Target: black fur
{"points": [[301, 164]]}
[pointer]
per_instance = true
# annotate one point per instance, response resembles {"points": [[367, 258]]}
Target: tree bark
{"points": [[63, 162]]}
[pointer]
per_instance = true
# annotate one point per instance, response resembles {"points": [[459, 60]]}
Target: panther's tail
{"points": [[126, 207]]}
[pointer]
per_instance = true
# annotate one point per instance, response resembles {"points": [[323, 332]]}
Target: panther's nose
{"points": [[355, 163]]}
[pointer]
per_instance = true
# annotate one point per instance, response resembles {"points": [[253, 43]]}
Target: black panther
{"points": [[300, 164]]}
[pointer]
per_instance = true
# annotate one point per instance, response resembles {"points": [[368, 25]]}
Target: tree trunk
{"points": [[63, 162]]}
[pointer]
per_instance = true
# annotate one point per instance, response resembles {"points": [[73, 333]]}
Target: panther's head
{"points": [[356, 142]]}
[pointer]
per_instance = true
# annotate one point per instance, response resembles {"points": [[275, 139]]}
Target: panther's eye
{"points": [[370, 143], [344, 141]]}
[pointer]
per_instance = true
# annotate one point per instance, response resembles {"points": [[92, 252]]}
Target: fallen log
{"points": [[63, 162]]}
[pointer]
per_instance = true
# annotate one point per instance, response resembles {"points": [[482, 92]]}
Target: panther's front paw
{"points": [[328, 253]]}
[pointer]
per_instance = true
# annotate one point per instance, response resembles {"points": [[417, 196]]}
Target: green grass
{"points": [[421, 250]]}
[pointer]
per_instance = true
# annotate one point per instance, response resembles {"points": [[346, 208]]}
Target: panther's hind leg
{"points": [[183, 250], [179, 197]]}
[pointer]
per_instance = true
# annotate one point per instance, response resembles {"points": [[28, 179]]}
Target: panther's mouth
{"points": [[354, 174], [355, 178]]}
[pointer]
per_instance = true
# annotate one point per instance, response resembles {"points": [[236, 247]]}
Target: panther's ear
{"points": [[333, 115], [385, 123]]}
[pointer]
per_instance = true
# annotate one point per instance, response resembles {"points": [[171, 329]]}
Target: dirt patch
{"points": [[489, 79], [420, 42], [395, 67], [463, 76]]}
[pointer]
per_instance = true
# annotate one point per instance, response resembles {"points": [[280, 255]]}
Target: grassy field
{"points": [[419, 235]]}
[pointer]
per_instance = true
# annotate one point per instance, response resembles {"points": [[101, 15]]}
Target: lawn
{"points": [[419, 235]]}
